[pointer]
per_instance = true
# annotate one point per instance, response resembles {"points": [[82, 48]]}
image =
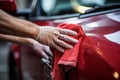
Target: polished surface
{"points": [[101, 52]]}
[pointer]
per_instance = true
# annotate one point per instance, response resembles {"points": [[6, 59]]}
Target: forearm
{"points": [[6, 31], [18, 26], [15, 39]]}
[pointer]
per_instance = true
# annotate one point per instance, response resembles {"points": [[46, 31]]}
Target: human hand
{"points": [[41, 49], [56, 37]]}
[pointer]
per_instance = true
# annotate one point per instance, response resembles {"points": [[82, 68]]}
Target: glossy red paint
{"points": [[8, 5], [102, 54]]}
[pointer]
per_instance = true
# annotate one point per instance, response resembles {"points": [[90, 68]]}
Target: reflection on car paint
{"points": [[116, 75], [70, 20], [114, 37], [113, 16], [99, 23]]}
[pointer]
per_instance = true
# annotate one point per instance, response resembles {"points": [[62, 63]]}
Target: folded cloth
{"points": [[63, 63]]}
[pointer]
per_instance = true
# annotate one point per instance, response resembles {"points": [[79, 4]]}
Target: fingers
{"points": [[57, 47], [62, 43], [67, 38], [48, 51], [65, 32], [49, 34], [41, 49], [63, 36], [68, 32], [46, 62], [43, 54]]}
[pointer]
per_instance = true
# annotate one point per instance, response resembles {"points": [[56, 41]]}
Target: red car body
{"points": [[102, 60]]}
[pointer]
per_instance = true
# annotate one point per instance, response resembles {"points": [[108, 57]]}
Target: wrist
{"points": [[31, 29], [30, 42], [35, 32]]}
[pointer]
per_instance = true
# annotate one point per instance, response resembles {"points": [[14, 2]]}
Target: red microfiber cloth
{"points": [[63, 63]]}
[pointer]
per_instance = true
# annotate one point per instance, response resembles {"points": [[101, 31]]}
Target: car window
{"points": [[60, 7], [51, 8]]}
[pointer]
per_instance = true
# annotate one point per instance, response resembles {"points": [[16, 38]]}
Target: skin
{"points": [[42, 50], [17, 29]]}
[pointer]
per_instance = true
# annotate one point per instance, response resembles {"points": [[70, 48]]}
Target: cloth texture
{"points": [[65, 65]]}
